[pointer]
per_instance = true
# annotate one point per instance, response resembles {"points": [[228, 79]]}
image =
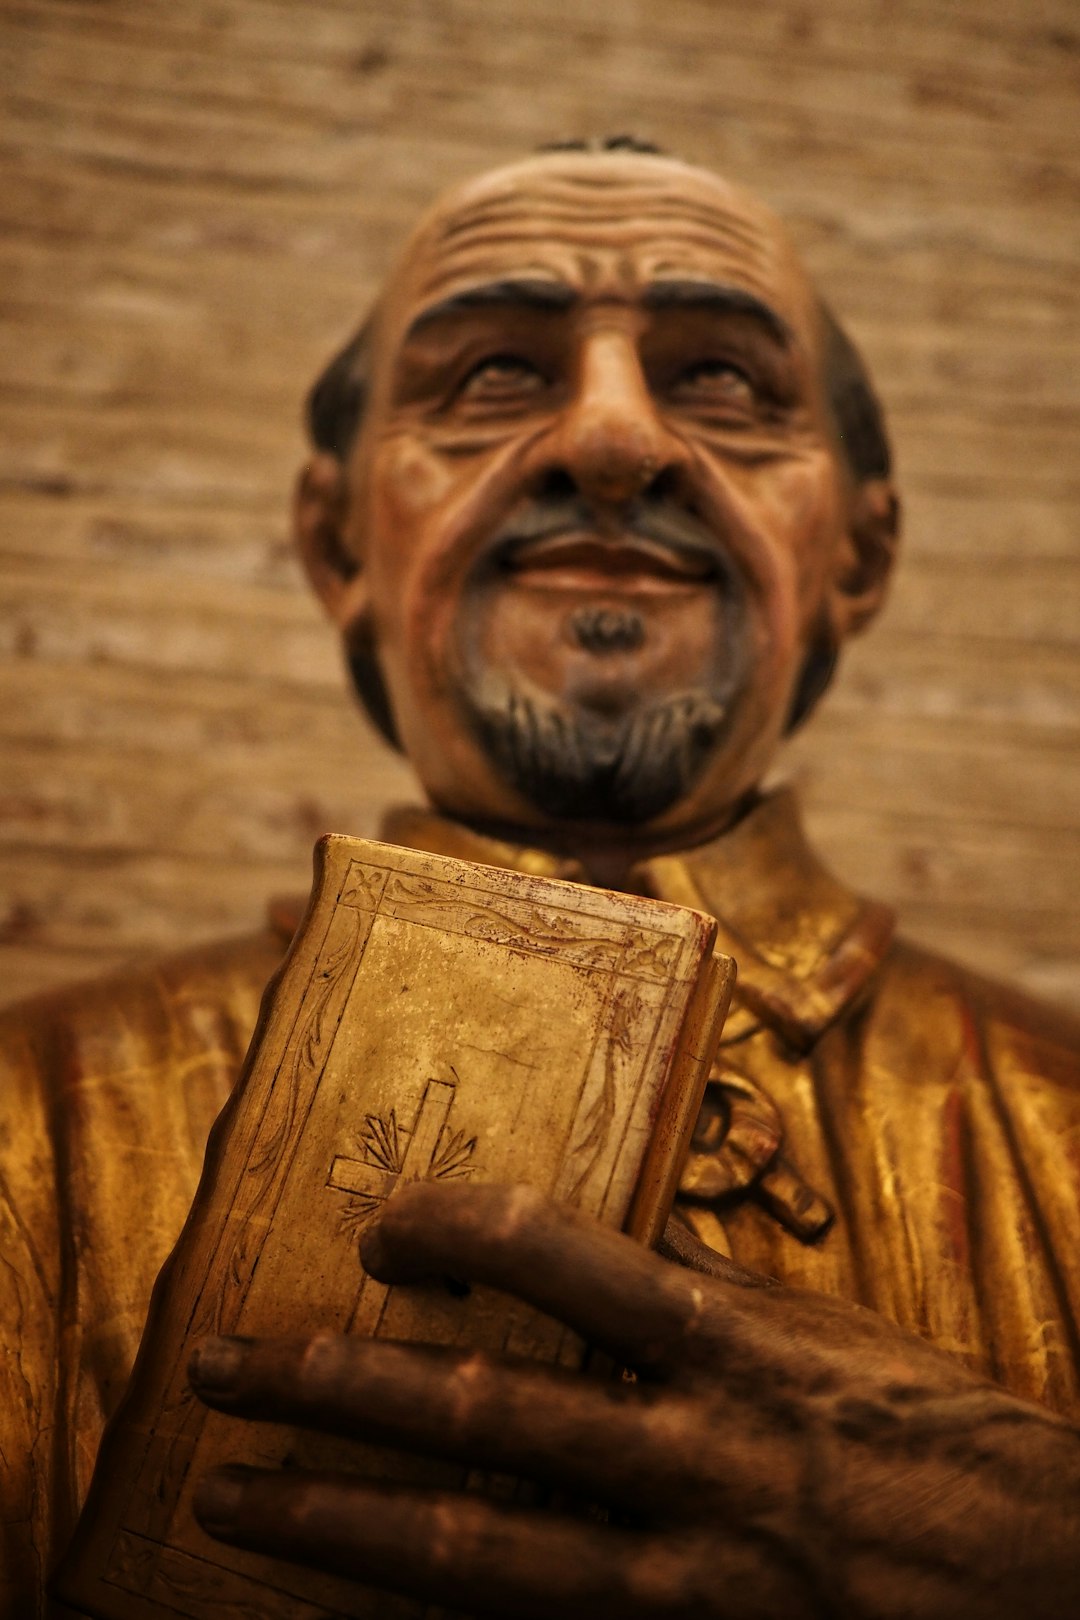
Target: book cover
{"points": [[433, 1019]]}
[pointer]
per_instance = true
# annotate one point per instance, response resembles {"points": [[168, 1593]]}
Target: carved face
{"points": [[596, 502]]}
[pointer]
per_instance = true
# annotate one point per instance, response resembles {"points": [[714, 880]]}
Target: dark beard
{"points": [[580, 766]]}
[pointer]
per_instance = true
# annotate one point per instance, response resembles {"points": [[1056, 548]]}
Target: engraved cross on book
{"points": [[429, 1151]]}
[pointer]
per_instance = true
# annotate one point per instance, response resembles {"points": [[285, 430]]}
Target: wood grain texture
{"points": [[197, 202]]}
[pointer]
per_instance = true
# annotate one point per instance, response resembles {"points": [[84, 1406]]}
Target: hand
{"points": [[782, 1453]]}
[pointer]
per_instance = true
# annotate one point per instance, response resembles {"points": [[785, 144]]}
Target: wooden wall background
{"points": [[196, 203]]}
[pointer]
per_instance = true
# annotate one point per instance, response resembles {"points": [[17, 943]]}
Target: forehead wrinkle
{"points": [[603, 235], [644, 217], [596, 228], [582, 183], [582, 189], [471, 264], [493, 211], [582, 266], [658, 223]]}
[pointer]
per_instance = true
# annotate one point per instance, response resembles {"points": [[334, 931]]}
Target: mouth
{"points": [[580, 561]]}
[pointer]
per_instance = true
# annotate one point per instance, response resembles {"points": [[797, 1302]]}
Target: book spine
{"points": [[681, 1098]]}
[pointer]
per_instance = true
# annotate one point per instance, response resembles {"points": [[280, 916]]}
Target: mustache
{"points": [[660, 521]]}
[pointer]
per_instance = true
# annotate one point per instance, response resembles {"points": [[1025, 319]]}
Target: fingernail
{"points": [[373, 1250], [215, 1363], [218, 1498]]}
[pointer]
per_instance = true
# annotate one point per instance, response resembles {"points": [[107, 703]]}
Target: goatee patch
{"points": [[581, 766]]}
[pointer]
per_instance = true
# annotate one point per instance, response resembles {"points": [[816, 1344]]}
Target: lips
{"points": [[583, 561]]}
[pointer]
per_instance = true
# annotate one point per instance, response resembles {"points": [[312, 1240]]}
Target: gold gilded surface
{"points": [[434, 1020], [933, 1115], [108, 1092], [936, 1113]]}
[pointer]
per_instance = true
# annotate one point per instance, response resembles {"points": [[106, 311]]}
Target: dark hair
{"points": [[856, 410], [607, 143], [335, 406]]}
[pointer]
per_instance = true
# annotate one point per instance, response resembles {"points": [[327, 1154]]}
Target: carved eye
{"points": [[501, 379], [714, 382]]}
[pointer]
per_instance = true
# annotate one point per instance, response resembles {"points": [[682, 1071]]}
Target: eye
{"points": [[714, 382], [501, 379]]}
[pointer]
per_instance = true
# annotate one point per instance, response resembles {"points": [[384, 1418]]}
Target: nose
{"points": [[610, 438]]}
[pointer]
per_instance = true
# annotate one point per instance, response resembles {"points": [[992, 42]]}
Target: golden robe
{"points": [[881, 1125]]}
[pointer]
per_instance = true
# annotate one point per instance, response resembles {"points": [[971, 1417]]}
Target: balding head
{"points": [[594, 528]]}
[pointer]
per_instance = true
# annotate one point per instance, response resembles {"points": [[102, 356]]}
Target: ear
{"points": [[865, 557], [336, 574]]}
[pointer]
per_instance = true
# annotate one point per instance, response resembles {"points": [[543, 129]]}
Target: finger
{"points": [[488, 1559], [618, 1295], [607, 1439]]}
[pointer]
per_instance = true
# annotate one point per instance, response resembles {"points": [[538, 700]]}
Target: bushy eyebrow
{"points": [[715, 295], [527, 292], [517, 292]]}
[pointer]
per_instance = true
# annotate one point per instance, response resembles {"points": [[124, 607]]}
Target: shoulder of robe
{"points": [[30, 1290], [160, 1001], [943, 1014], [89, 1075], [129, 1026], [114, 1050]]}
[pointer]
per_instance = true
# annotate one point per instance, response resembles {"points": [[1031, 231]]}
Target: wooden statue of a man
{"points": [[599, 492]]}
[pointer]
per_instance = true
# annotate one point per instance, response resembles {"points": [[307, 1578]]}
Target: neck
{"points": [[608, 853]]}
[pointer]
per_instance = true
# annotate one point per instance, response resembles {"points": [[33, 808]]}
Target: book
{"points": [[433, 1018]]}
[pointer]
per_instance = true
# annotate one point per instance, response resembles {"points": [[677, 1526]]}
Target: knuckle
{"points": [[320, 1363], [469, 1389], [448, 1543], [302, 1510], [516, 1209], [658, 1576]]}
